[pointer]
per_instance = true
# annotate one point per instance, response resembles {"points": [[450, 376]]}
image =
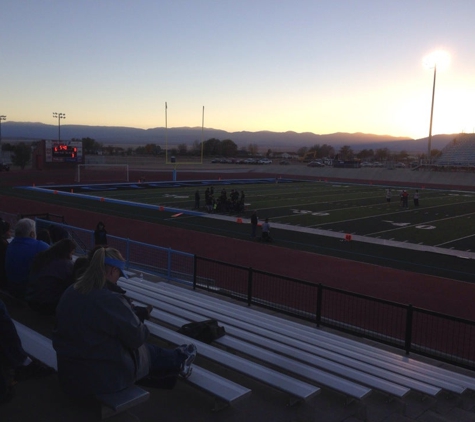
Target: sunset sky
{"points": [[320, 66]]}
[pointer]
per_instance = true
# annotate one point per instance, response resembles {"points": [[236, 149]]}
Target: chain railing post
{"points": [[169, 263], [127, 252], [195, 260], [249, 287], [318, 314]]}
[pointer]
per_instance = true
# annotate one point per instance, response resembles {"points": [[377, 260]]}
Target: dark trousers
{"points": [[165, 365]]}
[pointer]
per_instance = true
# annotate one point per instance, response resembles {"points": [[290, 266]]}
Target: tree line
{"points": [[21, 152]]}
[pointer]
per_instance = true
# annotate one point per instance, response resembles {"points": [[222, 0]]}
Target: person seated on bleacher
{"points": [[101, 344], [5, 234], [13, 357], [50, 275], [45, 236], [57, 233], [20, 254], [80, 265]]}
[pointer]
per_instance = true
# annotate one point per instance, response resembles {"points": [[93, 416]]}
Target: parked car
{"points": [[315, 163], [284, 163], [5, 166], [400, 165], [265, 161]]}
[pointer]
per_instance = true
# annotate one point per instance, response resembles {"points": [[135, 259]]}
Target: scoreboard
{"points": [[64, 151], [60, 152]]}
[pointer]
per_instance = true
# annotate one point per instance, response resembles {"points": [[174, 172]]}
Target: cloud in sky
{"points": [[304, 65]]}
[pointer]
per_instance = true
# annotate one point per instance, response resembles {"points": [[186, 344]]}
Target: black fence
{"points": [[412, 329]]}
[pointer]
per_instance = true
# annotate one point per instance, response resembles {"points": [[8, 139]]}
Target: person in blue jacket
{"points": [[20, 254], [101, 344]]}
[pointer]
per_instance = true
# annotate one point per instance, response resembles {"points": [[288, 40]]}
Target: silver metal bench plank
{"points": [[329, 340], [374, 377], [296, 388], [120, 401], [321, 377], [222, 388], [226, 390], [419, 371], [37, 345], [42, 349]]}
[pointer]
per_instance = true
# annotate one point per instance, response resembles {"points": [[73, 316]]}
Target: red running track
{"points": [[443, 295]]}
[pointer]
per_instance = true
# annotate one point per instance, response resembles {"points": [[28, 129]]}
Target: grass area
{"points": [[444, 218]]}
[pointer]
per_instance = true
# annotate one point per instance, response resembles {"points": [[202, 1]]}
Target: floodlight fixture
{"points": [[59, 116]]}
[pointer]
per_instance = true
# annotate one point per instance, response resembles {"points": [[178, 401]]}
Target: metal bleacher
{"points": [[459, 152]]}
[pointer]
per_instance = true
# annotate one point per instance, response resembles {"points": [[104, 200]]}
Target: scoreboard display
{"points": [[61, 152], [64, 151]]}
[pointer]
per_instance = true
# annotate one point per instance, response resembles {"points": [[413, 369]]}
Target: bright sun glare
{"points": [[438, 58]]}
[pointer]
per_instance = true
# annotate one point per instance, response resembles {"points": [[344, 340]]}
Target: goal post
{"points": [[102, 173]]}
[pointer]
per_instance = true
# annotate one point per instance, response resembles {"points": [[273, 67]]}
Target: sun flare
{"points": [[439, 59]]}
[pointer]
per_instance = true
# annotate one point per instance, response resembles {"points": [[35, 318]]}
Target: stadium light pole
{"points": [[59, 116], [432, 61], [1, 118], [431, 116]]}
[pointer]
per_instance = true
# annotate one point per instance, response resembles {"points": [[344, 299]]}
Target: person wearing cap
{"points": [[101, 344], [80, 265]]}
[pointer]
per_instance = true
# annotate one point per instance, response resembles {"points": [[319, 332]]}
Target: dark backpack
{"points": [[206, 331]]}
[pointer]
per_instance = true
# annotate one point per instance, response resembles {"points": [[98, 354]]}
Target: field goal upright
{"points": [[102, 173]]}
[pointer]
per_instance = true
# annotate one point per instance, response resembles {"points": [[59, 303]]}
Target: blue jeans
{"points": [[165, 365], [167, 360]]}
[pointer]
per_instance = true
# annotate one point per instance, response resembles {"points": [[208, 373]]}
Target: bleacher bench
{"points": [[281, 381], [41, 348], [225, 392], [413, 374]]}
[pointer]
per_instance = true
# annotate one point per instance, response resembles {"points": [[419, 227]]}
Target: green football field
{"points": [[443, 219], [311, 216]]}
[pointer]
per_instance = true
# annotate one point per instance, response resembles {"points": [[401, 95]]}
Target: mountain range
{"points": [[277, 141]]}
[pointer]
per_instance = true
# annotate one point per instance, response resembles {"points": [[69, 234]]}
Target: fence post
{"points": [[408, 340], [169, 263], [319, 304], [195, 260], [249, 287], [127, 252]]}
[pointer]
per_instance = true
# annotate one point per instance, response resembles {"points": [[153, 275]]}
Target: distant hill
{"points": [[278, 141]]}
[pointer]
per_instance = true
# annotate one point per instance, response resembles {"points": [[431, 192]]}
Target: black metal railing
{"points": [[404, 326]]}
